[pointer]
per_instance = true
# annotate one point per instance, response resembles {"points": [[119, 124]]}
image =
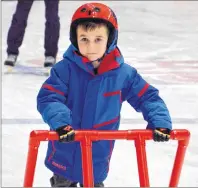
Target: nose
{"points": [[91, 47]]}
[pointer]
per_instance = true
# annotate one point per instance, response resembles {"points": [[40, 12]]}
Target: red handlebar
{"points": [[87, 136]]}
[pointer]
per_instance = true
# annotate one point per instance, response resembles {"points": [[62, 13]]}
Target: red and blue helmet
{"points": [[94, 12]]}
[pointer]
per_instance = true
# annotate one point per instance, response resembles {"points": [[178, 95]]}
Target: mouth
{"points": [[91, 53]]}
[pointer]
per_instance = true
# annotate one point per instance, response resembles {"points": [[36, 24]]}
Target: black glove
{"points": [[161, 134], [66, 133]]}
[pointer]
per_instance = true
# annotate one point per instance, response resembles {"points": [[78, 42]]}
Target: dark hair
{"points": [[90, 24]]}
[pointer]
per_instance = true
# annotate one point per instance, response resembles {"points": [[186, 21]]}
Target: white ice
{"points": [[160, 39]]}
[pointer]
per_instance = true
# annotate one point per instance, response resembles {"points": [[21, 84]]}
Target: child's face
{"points": [[92, 43]]}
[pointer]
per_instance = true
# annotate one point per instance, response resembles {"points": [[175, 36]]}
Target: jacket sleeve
{"points": [[51, 99], [145, 98]]}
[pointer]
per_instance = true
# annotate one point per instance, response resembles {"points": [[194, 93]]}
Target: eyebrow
{"points": [[86, 36], [82, 35]]}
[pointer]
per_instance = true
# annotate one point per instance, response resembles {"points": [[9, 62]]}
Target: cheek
{"points": [[103, 47], [82, 48]]}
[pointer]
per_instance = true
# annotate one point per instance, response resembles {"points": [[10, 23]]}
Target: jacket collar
{"points": [[109, 62]]}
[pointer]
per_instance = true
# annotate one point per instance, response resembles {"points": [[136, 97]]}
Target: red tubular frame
{"points": [[86, 137]]}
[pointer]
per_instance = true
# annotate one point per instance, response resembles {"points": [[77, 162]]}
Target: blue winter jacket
{"points": [[74, 95]]}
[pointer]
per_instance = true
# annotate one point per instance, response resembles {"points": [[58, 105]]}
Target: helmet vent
{"points": [[83, 10], [96, 9]]}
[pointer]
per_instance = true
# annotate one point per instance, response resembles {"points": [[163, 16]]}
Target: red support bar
{"points": [[179, 159], [31, 162], [140, 147], [183, 137], [34, 141], [86, 149], [86, 138]]}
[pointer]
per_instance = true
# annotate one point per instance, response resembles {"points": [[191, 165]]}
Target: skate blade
{"points": [[8, 69], [48, 69]]}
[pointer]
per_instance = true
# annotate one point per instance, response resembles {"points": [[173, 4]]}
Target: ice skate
{"points": [[10, 62], [48, 64], [49, 61]]}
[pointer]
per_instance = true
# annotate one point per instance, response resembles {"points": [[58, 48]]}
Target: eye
{"points": [[98, 39], [84, 39]]}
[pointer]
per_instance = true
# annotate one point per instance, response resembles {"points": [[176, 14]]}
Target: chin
{"points": [[93, 58]]}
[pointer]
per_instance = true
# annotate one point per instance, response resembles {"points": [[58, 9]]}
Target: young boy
{"points": [[86, 91]]}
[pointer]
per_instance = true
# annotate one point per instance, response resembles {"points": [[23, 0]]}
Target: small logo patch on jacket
{"points": [[59, 165]]}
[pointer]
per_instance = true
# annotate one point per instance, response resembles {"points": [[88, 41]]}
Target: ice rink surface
{"points": [[160, 39]]}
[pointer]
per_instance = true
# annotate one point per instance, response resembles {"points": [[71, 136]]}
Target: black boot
{"points": [[11, 60], [96, 185], [59, 181], [49, 61]]}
